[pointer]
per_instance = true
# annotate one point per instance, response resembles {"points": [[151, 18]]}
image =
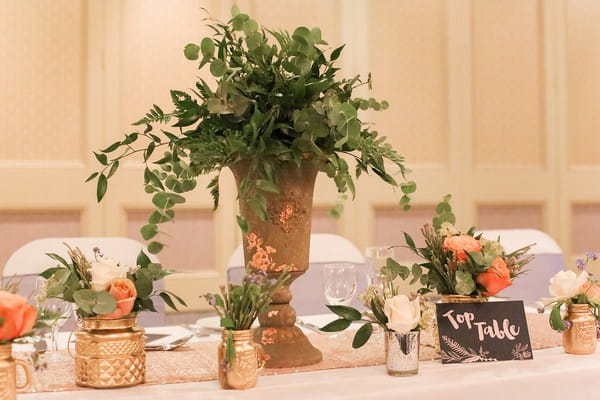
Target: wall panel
{"points": [[508, 127], [41, 79], [407, 56]]}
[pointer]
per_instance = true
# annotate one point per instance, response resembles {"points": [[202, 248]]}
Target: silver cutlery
{"points": [[170, 346], [310, 326]]}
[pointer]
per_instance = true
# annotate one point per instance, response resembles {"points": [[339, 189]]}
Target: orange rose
{"points": [[459, 244], [495, 278], [123, 290], [16, 315]]}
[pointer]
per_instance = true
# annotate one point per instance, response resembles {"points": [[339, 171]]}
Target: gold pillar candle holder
{"points": [[580, 337], [8, 374], [109, 353], [249, 359]]}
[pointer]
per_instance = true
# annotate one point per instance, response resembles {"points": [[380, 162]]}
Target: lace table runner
{"points": [[198, 361]]}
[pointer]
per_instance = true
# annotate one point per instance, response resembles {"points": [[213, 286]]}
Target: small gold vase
{"points": [[109, 353], [580, 338], [8, 374], [242, 372]]}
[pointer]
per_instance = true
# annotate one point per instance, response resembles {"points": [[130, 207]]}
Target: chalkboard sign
{"points": [[480, 332]]}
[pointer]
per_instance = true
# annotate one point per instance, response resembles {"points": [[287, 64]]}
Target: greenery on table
{"points": [[275, 98], [71, 282], [238, 306]]}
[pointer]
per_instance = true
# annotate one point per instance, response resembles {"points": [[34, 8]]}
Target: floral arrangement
{"points": [[392, 311], [460, 264], [569, 287], [105, 288], [238, 306], [274, 99], [17, 317]]}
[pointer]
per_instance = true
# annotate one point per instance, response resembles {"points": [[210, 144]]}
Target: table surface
{"points": [[552, 374]]}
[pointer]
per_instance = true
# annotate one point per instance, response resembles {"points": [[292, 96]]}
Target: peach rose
{"points": [[16, 315], [459, 244], [495, 278], [123, 290]]}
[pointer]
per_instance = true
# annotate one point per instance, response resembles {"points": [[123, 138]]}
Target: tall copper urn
{"points": [[281, 242]]}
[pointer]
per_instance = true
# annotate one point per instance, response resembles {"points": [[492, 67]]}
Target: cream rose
{"points": [[567, 284], [105, 271], [403, 314]]}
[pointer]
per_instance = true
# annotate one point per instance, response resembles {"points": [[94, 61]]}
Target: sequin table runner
{"points": [[198, 361]]}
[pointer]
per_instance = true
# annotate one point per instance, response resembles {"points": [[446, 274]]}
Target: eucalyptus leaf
{"points": [[362, 335]]}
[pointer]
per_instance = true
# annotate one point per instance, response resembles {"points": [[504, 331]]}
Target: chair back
{"points": [[548, 260], [307, 290], [28, 261]]}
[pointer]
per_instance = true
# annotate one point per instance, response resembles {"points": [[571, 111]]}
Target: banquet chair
{"points": [[548, 260], [26, 263], [307, 290]]}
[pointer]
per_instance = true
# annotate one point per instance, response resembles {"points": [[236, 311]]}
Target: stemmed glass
{"points": [[339, 283], [375, 258], [56, 313]]}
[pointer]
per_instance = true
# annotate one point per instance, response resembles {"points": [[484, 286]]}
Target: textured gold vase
{"points": [[109, 353], [8, 374], [580, 338], [286, 234], [242, 372]]}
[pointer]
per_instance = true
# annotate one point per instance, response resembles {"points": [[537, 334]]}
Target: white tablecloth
{"points": [[551, 375]]}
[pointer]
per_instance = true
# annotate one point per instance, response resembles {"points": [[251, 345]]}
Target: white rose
{"points": [[567, 284], [403, 315], [104, 271]]}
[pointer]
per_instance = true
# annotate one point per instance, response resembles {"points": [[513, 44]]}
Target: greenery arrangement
{"points": [[275, 99], [460, 264], [569, 287], [105, 288], [238, 306]]}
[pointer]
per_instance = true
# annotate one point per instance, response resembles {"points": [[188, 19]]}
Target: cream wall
{"points": [[492, 101]]}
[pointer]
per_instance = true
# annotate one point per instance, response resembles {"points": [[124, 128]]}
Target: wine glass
{"points": [[339, 283], [375, 258], [55, 311], [58, 311]]}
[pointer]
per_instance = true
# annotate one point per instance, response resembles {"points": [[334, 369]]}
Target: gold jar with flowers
{"points": [[8, 374], [580, 336], [109, 353], [17, 319], [248, 359], [109, 345]]}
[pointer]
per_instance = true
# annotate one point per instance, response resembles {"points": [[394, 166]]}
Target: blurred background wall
{"points": [[492, 101]]}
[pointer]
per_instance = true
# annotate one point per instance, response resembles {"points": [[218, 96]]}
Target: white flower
{"points": [[104, 271], [567, 284], [447, 229], [403, 314], [492, 247]]}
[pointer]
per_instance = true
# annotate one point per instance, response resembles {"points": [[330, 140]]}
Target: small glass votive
{"points": [[402, 353]]}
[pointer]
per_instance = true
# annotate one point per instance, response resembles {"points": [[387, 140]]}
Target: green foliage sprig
{"points": [[275, 99], [238, 306], [71, 282]]}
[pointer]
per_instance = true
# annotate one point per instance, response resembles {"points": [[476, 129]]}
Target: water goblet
{"points": [[339, 283], [376, 258]]}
